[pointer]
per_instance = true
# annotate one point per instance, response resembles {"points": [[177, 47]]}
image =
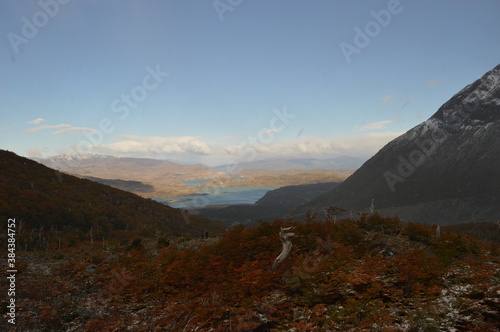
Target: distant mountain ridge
{"points": [[69, 157], [337, 163], [159, 178], [82, 162], [163, 178], [445, 170]]}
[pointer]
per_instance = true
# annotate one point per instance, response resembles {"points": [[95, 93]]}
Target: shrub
{"points": [[135, 245], [419, 232], [163, 243], [454, 245]]}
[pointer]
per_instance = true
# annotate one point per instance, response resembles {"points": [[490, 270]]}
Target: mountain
{"points": [[445, 170], [337, 163], [161, 177], [45, 202], [274, 204]]}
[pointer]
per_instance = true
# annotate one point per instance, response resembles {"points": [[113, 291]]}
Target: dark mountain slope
{"points": [[445, 170], [41, 198]]}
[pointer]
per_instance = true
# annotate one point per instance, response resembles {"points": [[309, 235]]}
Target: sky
{"points": [[228, 81]]}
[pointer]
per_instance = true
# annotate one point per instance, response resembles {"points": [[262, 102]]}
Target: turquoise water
{"points": [[195, 182], [218, 196]]}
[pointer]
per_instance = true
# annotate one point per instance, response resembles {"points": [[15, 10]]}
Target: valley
{"points": [[276, 178], [181, 183], [423, 256], [273, 205], [162, 178]]}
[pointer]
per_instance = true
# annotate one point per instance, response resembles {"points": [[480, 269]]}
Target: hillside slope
{"points": [[444, 170], [44, 200]]}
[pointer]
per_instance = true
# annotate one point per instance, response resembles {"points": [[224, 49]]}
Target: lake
{"points": [[217, 196]]}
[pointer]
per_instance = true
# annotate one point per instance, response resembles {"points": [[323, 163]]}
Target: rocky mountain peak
{"points": [[443, 170], [478, 102]]}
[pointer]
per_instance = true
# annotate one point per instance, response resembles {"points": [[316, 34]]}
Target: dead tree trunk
{"points": [[438, 231], [285, 236]]}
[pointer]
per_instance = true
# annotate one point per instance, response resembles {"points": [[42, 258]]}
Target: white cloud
{"points": [[69, 130], [360, 145], [364, 145], [228, 138], [374, 126], [60, 129], [59, 126], [36, 121], [193, 149], [156, 145], [37, 152], [386, 99]]}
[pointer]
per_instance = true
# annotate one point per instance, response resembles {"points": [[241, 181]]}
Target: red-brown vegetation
{"points": [[369, 275]]}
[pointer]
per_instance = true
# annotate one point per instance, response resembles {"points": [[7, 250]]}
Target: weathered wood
{"points": [[285, 236]]}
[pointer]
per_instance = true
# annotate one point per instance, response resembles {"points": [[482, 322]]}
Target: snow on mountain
{"points": [[444, 170]]}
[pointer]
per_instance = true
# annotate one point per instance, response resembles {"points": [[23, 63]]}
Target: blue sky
{"points": [[228, 81]]}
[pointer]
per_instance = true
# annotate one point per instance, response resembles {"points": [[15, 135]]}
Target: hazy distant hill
{"points": [[165, 178], [159, 178], [445, 170], [338, 163], [45, 200]]}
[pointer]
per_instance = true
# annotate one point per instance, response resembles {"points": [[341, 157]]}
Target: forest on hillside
{"points": [[54, 210]]}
